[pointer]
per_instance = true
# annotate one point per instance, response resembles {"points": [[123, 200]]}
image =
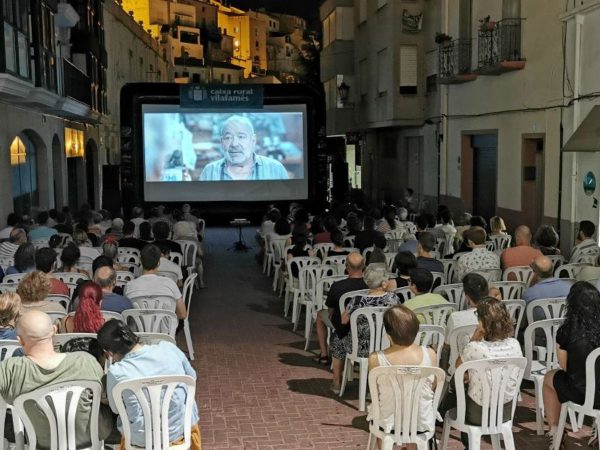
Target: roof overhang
{"points": [[586, 137]]}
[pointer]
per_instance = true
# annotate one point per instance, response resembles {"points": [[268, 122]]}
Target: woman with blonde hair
{"points": [[497, 226], [34, 289], [10, 309]]}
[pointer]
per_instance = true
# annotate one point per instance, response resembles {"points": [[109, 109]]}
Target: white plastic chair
{"points": [[440, 246], [154, 302], [351, 296], [61, 339], [407, 383], [8, 347], [188, 291], [133, 268], [321, 250], [307, 280], [552, 308], [587, 409], [17, 424], [56, 316], [510, 290], [129, 251], [404, 293], [516, 309], [154, 338], [176, 258], [154, 395], [569, 270], [58, 402], [490, 246], [124, 277], [454, 293], [389, 260], [40, 243], [491, 275], [85, 263], [522, 274], [8, 287], [393, 244], [431, 336], [268, 254], [109, 315], [495, 374], [458, 338], [293, 290], [168, 274], [321, 291], [546, 360], [349, 241], [367, 252], [449, 265], [129, 258], [377, 341], [64, 300], [338, 262], [13, 278], [501, 241], [152, 320], [438, 280], [557, 261], [70, 277], [277, 244], [436, 314]]}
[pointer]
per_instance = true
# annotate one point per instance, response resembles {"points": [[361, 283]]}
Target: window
{"points": [[363, 78], [431, 84], [24, 174], [408, 69], [362, 11], [229, 78], [222, 78], [16, 38], [235, 29], [338, 25], [257, 45], [381, 72]]}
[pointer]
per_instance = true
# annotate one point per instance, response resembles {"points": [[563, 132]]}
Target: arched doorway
{"points": [[23, 162], [91, 166], [58, 169]]}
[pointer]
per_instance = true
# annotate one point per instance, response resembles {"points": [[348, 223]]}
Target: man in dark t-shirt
{"points": [[367, 237], [425, 260], [331, 317]]}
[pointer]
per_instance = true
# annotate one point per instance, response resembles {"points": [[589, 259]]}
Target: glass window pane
{"points": [[23, 56], [9, 48]]}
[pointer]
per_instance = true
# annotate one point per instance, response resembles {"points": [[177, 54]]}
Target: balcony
{"points": [[76, 84], [499, 48], [454, 62]]}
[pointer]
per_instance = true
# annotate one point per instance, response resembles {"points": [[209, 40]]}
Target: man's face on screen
{"points": [[238, 142]]}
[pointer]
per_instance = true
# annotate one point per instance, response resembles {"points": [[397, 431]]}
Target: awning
{"points": [[587, 136]]}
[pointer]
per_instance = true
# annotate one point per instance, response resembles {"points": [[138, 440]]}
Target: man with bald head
{"points": [[523, 253], [331, 317], [106, 278], [42, 366], [544, 284], [240, 161]]}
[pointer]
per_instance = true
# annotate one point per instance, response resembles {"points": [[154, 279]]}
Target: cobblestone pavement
{"points": [[258, 388]]}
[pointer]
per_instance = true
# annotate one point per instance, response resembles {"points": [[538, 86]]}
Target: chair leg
{"points": [[445, 434], [387, 443], [295, 307], [188, 339], [275, 278], [509, 440], [308, 321], [495, 442], [362, 392], [561, 427], [474, 438], [347, 366], [539, 406], [575, 424]]}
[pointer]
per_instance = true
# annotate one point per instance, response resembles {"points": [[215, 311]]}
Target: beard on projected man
{"points": [[240, 160]]}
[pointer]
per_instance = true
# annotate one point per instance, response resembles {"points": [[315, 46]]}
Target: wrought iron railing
{"points": [[454, 59], [500, 43]]}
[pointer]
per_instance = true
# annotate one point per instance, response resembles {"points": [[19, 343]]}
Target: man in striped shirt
{"points": [[584, 243], [8, 248]]}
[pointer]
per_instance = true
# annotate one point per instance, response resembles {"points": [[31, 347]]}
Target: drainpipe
{"points": [[443, 159], [576, 113]]}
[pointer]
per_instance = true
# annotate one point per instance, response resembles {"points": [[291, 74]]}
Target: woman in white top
{"points": [[402, 326]]}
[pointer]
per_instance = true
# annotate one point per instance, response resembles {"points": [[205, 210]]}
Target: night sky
{"points": [[309, 9]]}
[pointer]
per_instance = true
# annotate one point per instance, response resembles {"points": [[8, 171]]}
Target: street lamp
{"points": [[343, 91]]}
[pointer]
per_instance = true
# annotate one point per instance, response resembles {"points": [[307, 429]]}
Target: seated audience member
{"points": [[128, 239], [24, 259], [17, 237], [43, 366], [389, 222], [402, 326], [299, 243], [146, 232], [404, 262], [106, 278], [475, 288], [410, 244], [151, 284], [137, 218], [320, 234], [10, 309], [421, 282], [44, 261], [34, 289], [495, 293], [110, 249], [160, 230], [337, 239], [479, 257], [523, 253], [380, 294], [282, 227], [268, 225], [353, 224], [378, 254], [366, 238], [463, 224], [11, 222], [497, 226], [116, 228], [577, 337], [166, 265], [42, 231], [474, 221], [331, 317], [584, 243], [69, 259], [82, 241], [132, 360], [425, 260], [493, 338], [590, 273], [88, 316], [447, 226], [545, 240], [62, 225]]}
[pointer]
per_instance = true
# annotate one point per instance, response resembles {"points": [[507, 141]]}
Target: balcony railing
{"points": [[499, 49], [454, 62], [76, 84]]}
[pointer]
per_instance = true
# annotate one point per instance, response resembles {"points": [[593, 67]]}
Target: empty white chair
{"points": [[152, 320], [367, 252], [64, 300], [321, 291], [188, 291], [8, 347], [277, 246], [496, 375], [154, 338], [440, 246], [393, 244], [548, 308], [58, 402], [404, 293], [337, 261], [407, 384], [546, 360], [569, 270], [490, 246], [154, 397], [431, 336], [458, 338], [522, 274], [13, 278], [133, 268], [307, 280], [292, 290], [130, 258], [377, 341], [124, 277], [516, 309], [154, 302], [453, 293], [512, 290], [436, 314]]}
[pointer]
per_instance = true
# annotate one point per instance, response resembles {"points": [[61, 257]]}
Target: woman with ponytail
{"points": [[88, 316]]}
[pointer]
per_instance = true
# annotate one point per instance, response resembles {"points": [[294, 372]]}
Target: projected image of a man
{"points": [[240, 160]]}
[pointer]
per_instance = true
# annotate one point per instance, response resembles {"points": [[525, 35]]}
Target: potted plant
{"points": [[443, 39], [486, 24]]}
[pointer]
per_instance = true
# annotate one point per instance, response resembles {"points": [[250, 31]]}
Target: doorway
{"points": [[532, 185], [485, 149], [91, 165]]}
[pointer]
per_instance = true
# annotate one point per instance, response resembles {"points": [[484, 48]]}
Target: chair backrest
{"points": [[404, 293], [168, 274], [322, 289], [501, 242], [277, 245], [569, 270], [176, 258], [152, 320], [56, 315], [436, 314], [518, 273], [154, 302], [70, 277], [132, 268], [438, 279], [8, 347], [490, 246], [393, 244], [389, 259], [367, 252], [189, 250], [408, 384], [309, 276], [338, 262], [454, 293], [491, 275], [351, 297], [440, 246], [498, 376], [590, 381], [64, 300], [431, 336], [557, 261], [154, 395], [458, 338], [349, 241], [377, 336], [61, 339], [59, 403], [516, 309], [129, 258], [321, 250], [552, 308], [201, 227], [188, 291], [129, 251], [40, 243], [8, 287], [13, 278], [124, 277], [510, 290], [547, 358], [449, 266], [300, 262], [109, 315], [586, 259], [154, 338]]}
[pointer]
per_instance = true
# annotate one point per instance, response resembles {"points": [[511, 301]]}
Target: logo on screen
{"points": [[199, 94]]}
